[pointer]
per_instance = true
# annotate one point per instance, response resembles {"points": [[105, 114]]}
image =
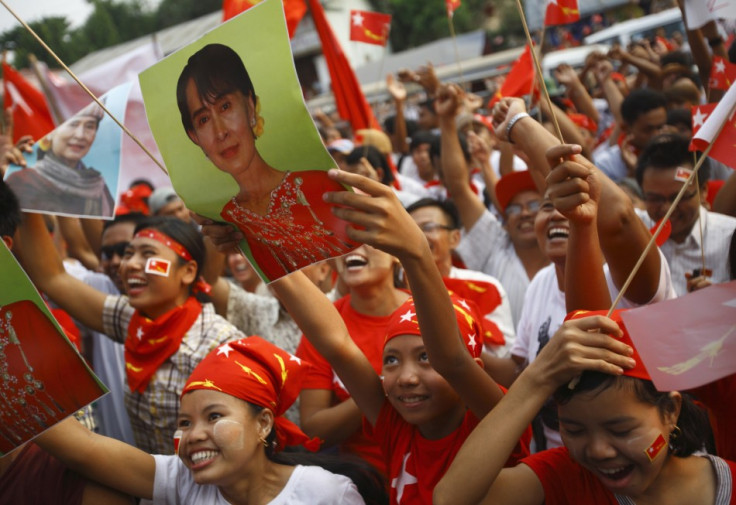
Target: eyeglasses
{"points": [[514, 209], [653, 199], [432, 228], [109, 251]]}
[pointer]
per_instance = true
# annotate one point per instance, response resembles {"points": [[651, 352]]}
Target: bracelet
{"points": [[715, 41], [514, 120]]}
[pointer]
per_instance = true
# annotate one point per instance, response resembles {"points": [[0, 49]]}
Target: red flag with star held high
{"points": [[369, 27], [707, 121], [722, 74], [31, 115], [294, 11], [561, 12]]}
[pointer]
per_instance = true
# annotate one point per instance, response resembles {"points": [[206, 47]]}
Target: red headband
{"points": [[258, 372], [169, 242], [404, 322], [639, 371]]}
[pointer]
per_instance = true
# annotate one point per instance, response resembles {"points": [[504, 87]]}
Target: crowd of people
{"points": [[461, 353]]}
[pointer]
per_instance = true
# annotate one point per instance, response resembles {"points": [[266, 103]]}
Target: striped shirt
{"points": [[153, 414]]}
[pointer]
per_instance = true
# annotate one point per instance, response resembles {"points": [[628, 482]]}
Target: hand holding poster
{"points": [[247, 133], [74, 170], [42, 377]]}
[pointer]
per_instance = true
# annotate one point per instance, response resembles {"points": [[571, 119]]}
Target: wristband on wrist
{"points": [[715, 41], [512, 123]]}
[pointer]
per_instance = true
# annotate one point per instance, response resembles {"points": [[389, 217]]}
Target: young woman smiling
{"points": [[166, 329]]}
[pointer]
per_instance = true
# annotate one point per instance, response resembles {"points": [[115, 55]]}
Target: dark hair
{"points": [[369, 481], [145, 182], [667, 151], [446, 206], [679, 116], [693, 420], [732, 257], [9, 211], [639, 102], [131, 217], [678, 57], [216, 69], [420, 138], [375, 158], [184, 233], [732, 52], [435, 148]]}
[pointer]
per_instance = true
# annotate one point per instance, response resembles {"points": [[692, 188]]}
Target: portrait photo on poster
{"points": [[75, 169], [245, 150]]}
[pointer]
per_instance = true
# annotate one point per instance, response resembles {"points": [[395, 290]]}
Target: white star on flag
{"points": [[294, 358], [699, 118], [471, 341], [139, 333], [406, 317], [465, 305], [358, 19], [720, 66], [403, 480], [225, 349]]}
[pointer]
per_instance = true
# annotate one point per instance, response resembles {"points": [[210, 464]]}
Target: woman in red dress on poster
{"points": [[281, 214]]}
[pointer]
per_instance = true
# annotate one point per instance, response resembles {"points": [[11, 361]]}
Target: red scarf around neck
{"points": [[150, 342]]}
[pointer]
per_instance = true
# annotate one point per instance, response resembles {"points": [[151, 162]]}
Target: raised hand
{"points": [[449, 101], [573, 184], [503, 111], [225, 237], [395, 88], [376, 215]]}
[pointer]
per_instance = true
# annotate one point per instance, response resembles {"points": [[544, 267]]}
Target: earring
{"points": [[674, 435], [262, 440], [252, 122]]}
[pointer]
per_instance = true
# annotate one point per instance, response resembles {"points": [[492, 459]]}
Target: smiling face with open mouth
{"points": [[366, 266], [552, 229], [609, 433]]}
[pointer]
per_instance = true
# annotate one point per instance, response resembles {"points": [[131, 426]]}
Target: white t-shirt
{"points": [[308, 485], [544, 312]]}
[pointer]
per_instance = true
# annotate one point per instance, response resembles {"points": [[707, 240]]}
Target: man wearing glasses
{"points": [[663, 169]]}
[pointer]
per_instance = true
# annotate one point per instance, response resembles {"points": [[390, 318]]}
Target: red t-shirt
{"points": [[417, 463], [565, 481], [719, 398], [368, 333]]}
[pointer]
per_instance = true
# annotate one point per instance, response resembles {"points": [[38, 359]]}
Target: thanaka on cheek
{"points": [[229, 434]]}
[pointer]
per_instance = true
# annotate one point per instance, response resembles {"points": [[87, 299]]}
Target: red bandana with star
{"points": [[150, 342], [404, 322], [260, 373]]}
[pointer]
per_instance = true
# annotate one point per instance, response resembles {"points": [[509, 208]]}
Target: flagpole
{"points": [[92, 95], [538, 68], [454, 44]]}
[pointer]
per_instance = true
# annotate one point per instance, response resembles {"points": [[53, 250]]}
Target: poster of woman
{"points": [[43, 379], [74, 170], [246, 151]]}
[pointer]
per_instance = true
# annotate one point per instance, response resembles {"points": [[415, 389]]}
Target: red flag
{"points": [[561, 12], [369, 27], [722, 74], [31, 114], [294, 11], [520, 80], [452, 5], [351, 104], [706, 121]]}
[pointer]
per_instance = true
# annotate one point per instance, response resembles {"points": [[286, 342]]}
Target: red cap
{"points": [[511, 185], [258, 372], [404, 322], [639, 371]]}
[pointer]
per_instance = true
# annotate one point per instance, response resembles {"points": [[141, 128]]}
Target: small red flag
{"points": [[561, 12], [452, 5], [653, 450], [722, 74], [30, 112], [351, 103], [158, 266], [520, 80], [369, 27], [294, 11], [724, 145]]}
